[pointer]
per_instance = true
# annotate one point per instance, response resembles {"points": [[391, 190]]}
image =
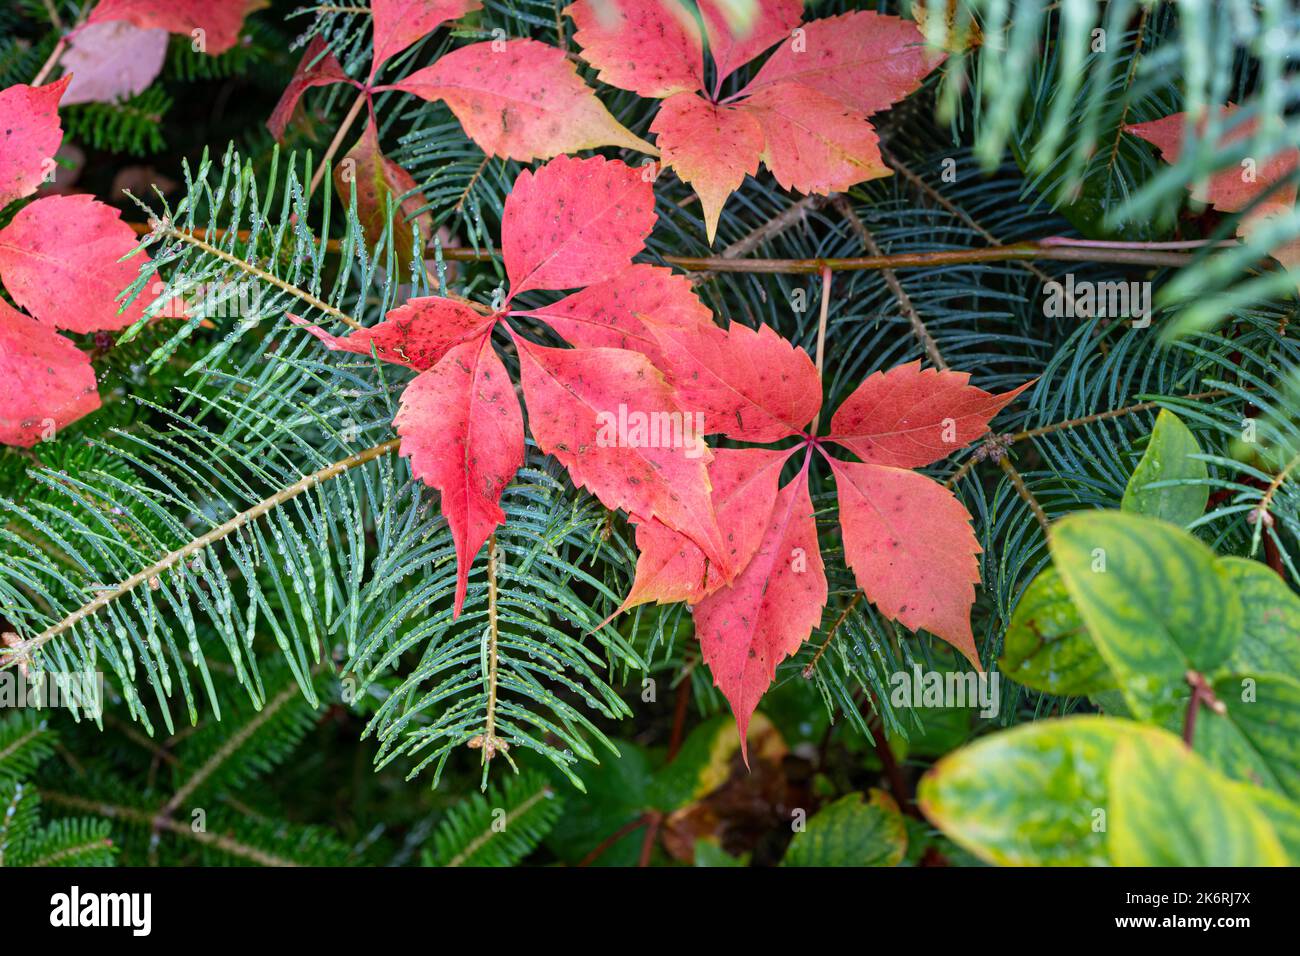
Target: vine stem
{"points": [[1051, 248], [337, 141], [913, 317], [59, 48], [1202, 693], [22, 652], [821, 335], [1012, 439]]}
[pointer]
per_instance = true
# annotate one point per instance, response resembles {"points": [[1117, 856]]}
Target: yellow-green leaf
{"points": [[1155, 600], [1048, 646], [1167, 808], [1270, 627]]}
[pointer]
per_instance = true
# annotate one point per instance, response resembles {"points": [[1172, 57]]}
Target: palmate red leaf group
{"points": [[61, 261], [804, 114], [907, 539], [714, 527], [573, 224]]}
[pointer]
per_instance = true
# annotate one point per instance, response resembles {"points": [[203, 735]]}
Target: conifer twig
{"points": [[22, 653], [845, 209]]}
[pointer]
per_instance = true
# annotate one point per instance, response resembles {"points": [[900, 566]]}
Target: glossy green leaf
{"points": [[849, 832], [1048, 646], [1282, 814], [1270, 627], [1055, 793], [1155, 600], [1169, 458], [1167, 808]]}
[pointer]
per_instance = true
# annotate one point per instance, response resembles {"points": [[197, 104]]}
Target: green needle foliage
{"points": [[236, 545]]}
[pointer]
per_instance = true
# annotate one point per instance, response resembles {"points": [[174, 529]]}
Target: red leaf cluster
{"points": [[804, 113], [625, 411], [61, 259]]}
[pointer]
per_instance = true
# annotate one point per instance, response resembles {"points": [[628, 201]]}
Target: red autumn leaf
{"points": [[30, 135], [399, 23], [318, 67], [805, 113], [1230, 190], [711, 147], [908, 416], [61, 260], [112, 61], [670, 567], [416, 335], [46, 382], [750, 385], [866, 61], [811, 143], [604, 315], [774, 604], [520, 99], [218, 20], [910, 545], [574, 222], [738, 34], [647, 48], [376, 178], [461, 427], [578, 401]]}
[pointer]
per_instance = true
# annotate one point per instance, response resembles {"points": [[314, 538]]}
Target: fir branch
{"points": [[219, 841], [22, 652]]}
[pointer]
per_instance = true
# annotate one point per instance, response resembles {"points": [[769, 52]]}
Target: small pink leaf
{"points": [[747, 629], [416, 335], [711, 148], [670, 567], [574, 222], [462, 428], [604, 315], [910, 545], [112, 61], [61, 260], [750, 385], [30, 135], [652, 49], [908, 417], [579, 401], [46, 382], [520, 99], [399, 23], [318, 67]]}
